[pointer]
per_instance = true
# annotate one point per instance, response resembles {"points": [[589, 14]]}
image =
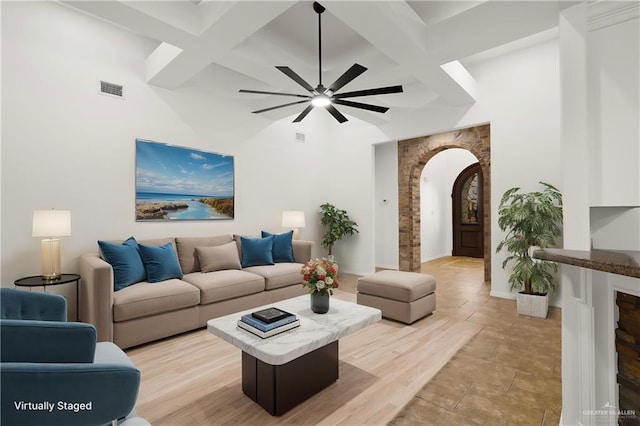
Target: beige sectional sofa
{"points": [[145, 311]]}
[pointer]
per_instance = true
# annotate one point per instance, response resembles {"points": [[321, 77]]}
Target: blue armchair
{"points": [[53, 372]]}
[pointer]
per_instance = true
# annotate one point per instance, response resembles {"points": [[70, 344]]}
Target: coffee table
{"points": [[284, 370]]}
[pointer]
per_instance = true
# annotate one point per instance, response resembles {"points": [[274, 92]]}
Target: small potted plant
{"points": [[337, 224], [531, 220], [320, 276]]}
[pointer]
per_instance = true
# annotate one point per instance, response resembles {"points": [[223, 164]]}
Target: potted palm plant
{"points": [[531, 220], [337, 224]]}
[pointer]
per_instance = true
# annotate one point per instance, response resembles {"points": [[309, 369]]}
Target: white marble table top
{"points": [[315, 330]]}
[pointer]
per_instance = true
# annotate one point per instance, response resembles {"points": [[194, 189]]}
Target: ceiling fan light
{"points": [[320, 100], [327, 97]]}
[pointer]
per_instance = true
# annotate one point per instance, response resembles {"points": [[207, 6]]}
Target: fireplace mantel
{"points": [[590, 280], [615, 262]]}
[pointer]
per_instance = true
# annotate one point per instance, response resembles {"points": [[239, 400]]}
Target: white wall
{"points": [[521, 95], [66, 146], [436, 185], [386, 205], [615, 228], [518, 94], [614, 114], [0, 153], [348, 183]]}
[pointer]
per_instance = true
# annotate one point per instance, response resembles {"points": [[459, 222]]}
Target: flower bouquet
{"points": [[320, 276]]}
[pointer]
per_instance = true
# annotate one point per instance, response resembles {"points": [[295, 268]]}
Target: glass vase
{"points": [[320, 303]]}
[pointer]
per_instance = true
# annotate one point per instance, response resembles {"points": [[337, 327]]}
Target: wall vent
{"points": [[111, 89], [300, 137]]}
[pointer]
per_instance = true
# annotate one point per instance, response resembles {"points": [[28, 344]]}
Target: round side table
{"points": [[40, 281]]}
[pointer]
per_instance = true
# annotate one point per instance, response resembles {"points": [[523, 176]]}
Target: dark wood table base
{"points": [[279, 388]]}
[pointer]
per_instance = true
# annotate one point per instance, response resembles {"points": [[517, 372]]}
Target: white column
{"points": [[577, 313], [575, 138]]}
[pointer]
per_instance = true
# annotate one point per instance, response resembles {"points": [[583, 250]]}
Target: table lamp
{"points": [[293, 219], [51, 223]]}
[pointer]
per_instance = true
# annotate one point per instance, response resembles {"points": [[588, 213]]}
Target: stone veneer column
{"points": [[413, 154]]}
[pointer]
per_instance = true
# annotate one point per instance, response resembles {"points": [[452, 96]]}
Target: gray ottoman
{"points": [[401, 296]]}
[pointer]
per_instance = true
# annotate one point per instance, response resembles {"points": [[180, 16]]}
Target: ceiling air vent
{"points": [[111, 89]]}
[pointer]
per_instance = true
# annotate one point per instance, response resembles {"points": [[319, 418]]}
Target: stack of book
{"points": [[268, 322]]}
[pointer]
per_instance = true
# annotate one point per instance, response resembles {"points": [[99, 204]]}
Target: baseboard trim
{"points": [[394, 267], [439, 256]]}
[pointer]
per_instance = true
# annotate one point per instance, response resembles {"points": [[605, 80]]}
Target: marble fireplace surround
{"points": [[589, 319]]}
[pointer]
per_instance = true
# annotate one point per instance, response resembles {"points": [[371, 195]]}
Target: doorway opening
{"points": [[438, 237], [466, 219], [413, 155]]}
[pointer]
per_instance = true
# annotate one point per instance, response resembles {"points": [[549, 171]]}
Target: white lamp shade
{"points": [[51, 223], [293, 219]]}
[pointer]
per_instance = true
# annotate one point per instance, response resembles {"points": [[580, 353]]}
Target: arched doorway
{"points": [[436, 203], [466, 199], [413, 154]]}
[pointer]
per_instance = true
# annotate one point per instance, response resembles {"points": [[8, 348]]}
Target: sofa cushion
{"points": [[145, 299], [282, 246], [125, 260], [217, 258], [161, 263], [158, 242], [223, 285], [278, 275], [187, 250], [256, 251]]}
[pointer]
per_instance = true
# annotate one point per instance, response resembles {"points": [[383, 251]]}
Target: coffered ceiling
{"points": [[227, 46]]}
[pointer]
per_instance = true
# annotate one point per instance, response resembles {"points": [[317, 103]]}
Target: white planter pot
{"points": [[532, 305]]}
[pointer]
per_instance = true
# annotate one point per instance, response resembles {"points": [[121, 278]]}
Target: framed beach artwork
{"points": [[177, 183]]}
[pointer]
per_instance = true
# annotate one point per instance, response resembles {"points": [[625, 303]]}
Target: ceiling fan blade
{"points": [[350, 74], [369, 107], [370, 92], [336, 114], [295, 77], [279, 106], [303, 114], [260, 92]]}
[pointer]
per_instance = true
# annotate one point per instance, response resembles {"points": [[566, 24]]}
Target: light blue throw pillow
{"points": [[161, 262], [282, 246], [126, 262], [256, 251]]}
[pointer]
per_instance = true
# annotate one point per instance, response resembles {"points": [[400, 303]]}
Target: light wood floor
{"points": [[195, 378]]}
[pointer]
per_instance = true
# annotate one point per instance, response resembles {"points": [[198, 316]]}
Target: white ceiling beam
{"points": [[395, 30], [135, 20], [159, 58], [234, 25], [460, 74], [179, 14], [502, 22], [432, 12]]}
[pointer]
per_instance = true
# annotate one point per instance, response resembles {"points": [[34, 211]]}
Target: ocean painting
{"points": [[177, 183]]}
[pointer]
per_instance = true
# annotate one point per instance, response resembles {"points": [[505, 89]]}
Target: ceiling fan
{"points": [[326, 96]]}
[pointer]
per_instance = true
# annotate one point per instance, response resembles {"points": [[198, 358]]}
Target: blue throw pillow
{"points": [[256, 251], [126, 262], [282, 246], [161, 262]]}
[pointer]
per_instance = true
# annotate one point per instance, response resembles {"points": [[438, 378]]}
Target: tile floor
{"points": [[508, 374]]}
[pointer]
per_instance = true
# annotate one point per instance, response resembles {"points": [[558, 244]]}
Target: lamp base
{"points": [[50, 259], [52, 277]]}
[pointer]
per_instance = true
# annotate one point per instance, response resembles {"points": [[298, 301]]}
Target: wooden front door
{"points": [[468, 232]]}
